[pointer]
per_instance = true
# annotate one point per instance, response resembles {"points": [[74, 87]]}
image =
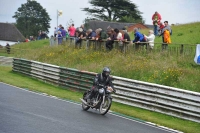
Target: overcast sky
{"points": [[175, 11]]}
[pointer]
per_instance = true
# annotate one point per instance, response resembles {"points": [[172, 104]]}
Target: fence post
{"points": [[181, 50]]}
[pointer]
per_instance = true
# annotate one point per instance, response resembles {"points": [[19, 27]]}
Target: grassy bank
{"points": [[155, 67], [166, 68], [38, 86]]}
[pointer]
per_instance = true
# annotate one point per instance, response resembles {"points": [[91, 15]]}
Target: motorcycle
{"points": [[102, 100]]}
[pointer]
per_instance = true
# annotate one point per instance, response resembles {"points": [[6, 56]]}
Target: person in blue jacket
{"points": [[138, 38], [90, 35]]}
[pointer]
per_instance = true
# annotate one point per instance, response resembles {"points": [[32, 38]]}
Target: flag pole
{"points": [[57, 18]]}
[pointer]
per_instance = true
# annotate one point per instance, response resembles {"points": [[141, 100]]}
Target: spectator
{"points": [[43, 35], [63, 32], [101, 34], [82, 26], [90, 35], [79, 36], [161, 26], [26, 40], [60, 27], [156, 21], [55, 32], [150, 39], [166, 31], [8, 48], [71, 30], [97, 34], [138, 38], [39, 35], [59, 36], [110, 39], [118, 34], [119, 37], [125, 35], [32, 38]]}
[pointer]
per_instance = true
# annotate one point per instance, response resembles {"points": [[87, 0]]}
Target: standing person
{"points": [[156, 21], [55, 31], [8, 48], [59, 36], [166, 32], [63, 32], [72, 31], [161, 26], [150, 38]]}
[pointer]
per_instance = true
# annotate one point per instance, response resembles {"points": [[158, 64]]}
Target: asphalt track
{"points": [[22, 111]]}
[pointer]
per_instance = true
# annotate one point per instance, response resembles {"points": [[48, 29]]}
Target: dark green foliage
{"points": [[114, 10], [31, 17]]}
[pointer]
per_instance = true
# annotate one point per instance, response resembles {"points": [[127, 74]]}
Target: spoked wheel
{"points": [[104, 108], [85, 107]]}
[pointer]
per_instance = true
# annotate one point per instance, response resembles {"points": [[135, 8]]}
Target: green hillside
{"points": [[166, 68], [181, 34]]}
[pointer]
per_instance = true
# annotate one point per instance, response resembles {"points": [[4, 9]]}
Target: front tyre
{"points": [[85, 107], [104, 108]]}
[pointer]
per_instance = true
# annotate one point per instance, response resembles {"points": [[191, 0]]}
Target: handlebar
{"points": [[105, 87], [101, 85]]}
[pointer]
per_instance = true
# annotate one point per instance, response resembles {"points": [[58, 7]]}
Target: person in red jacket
{"points": [[156, 18], [160, 27]]}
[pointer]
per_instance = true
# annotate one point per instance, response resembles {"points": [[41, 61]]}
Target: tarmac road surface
{"points": [[22, 111]]}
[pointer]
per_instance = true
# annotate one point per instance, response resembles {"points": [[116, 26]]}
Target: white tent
{"points": [[3, 43]]}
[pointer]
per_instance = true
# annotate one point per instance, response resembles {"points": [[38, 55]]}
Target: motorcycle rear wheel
{"points": [[104, 108]]}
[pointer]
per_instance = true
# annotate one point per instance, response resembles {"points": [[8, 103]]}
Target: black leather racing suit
{"points": [[103, 80]]}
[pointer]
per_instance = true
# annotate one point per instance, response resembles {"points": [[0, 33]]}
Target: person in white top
{"points": [[118, 35], [150, 38]]}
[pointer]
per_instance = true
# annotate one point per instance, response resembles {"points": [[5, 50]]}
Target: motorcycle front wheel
{"points": [[85, 107], [104, 108]]}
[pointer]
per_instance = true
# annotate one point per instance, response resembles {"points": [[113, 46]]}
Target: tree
{"points": [[113, 10], [31, 18], [70, 22]]}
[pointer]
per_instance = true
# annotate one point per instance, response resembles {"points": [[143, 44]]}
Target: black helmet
{"points": [[106, 71]]}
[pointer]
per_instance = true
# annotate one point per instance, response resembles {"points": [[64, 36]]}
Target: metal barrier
{"points": [[167, 100], [6, 61]]}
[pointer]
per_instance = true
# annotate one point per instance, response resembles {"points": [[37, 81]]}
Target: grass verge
{"points": [[22, 81]]}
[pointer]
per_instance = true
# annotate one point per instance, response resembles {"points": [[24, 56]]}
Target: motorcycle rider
{"points": [[103, 79]]}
